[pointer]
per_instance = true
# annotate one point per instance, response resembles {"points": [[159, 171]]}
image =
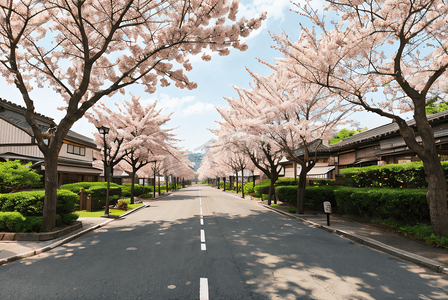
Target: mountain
{"points": [[195, 158]]}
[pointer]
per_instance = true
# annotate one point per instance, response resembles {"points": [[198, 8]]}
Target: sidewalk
{"points": [[418, 252]]}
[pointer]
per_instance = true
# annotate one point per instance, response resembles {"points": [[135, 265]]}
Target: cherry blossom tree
{"points": [[88, 49], [256, 144], [137, 130], [395, 52], [292, 114]]}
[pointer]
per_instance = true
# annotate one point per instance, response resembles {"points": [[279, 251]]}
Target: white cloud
{"points": [[274, 8], [197, 109], [169, 104]]}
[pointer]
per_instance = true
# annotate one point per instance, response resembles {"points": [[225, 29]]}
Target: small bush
{"points": [[292, 210], [286, 182], [11, 221], [286, 194], [31, 203], [410, 175], [122, 205], [138, 189], [315, 196], [76, 187], [321, 182], [275, 205], [248, 188], [16, 222]]}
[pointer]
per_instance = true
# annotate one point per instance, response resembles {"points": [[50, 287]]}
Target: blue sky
{"points": [[194, 111]]}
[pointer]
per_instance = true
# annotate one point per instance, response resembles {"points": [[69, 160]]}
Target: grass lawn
{"points": [[112, 211]]}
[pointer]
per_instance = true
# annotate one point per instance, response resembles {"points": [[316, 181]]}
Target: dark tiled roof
{"points": [[14, 114], [382, 131], [312, 148]]}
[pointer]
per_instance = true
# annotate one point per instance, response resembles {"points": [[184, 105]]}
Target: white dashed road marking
{"points": [[202, 236], [203, 289]]}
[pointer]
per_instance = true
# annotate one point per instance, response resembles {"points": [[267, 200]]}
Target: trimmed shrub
{"points": [[286, 182], [262, 188], [321, 182], [248, 188], [138, 189], [16, 222], [27, 203], [66, 202], [410, 175], [344, 204], [98, 195], [221, 185], [11, 221], [76, 187], [315, 196], [32, 203], [286, 194]]}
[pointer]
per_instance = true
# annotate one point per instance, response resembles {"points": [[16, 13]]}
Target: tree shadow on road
{"points": [[256, 255]]}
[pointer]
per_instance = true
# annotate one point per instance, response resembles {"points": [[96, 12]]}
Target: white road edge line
{"points": [[203, 289], [203, 247], [202, 236]]}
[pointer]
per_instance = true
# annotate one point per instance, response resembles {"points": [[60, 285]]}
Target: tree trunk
{"points": [[301, 191], [271, 192], [132, 187], [51, 186], [154, 186], [224, 179], [236, 182], [159, 185], [436, 196], [242, 183], [167, 184], [253, 177]]}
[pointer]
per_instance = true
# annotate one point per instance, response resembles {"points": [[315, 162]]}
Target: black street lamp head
{"points": [[103, 130]]}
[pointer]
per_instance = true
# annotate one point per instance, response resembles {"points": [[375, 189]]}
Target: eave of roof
{"points": [[382, 131], [14, 114]]}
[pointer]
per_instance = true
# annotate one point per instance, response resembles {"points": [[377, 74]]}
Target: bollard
{"points": [[327, 210]]}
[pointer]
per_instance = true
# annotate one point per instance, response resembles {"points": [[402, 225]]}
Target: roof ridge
{"points": [[24, 108]]}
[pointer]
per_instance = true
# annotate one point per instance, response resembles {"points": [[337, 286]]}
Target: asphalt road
{"points": [[242, 251]]}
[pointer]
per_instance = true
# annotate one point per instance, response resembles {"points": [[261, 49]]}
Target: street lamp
{"points": [[105, 130]]}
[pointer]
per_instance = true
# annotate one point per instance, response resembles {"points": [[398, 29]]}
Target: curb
{"points": [[407, 256], [65, 240]]}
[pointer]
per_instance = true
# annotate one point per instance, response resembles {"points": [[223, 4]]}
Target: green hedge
{"points": [[315, 196], [76, 187], [31, 203], [286, 182], [410, 175], [16, 222], [138, 189], [262, 188], [221, 185], [408, 205], [286, 194], [399, 204]]}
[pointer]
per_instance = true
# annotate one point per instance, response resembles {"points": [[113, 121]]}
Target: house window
{"points": [[76, 150]]}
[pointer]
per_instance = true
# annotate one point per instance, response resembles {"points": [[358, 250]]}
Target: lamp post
{"points": [[105, 130]]}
